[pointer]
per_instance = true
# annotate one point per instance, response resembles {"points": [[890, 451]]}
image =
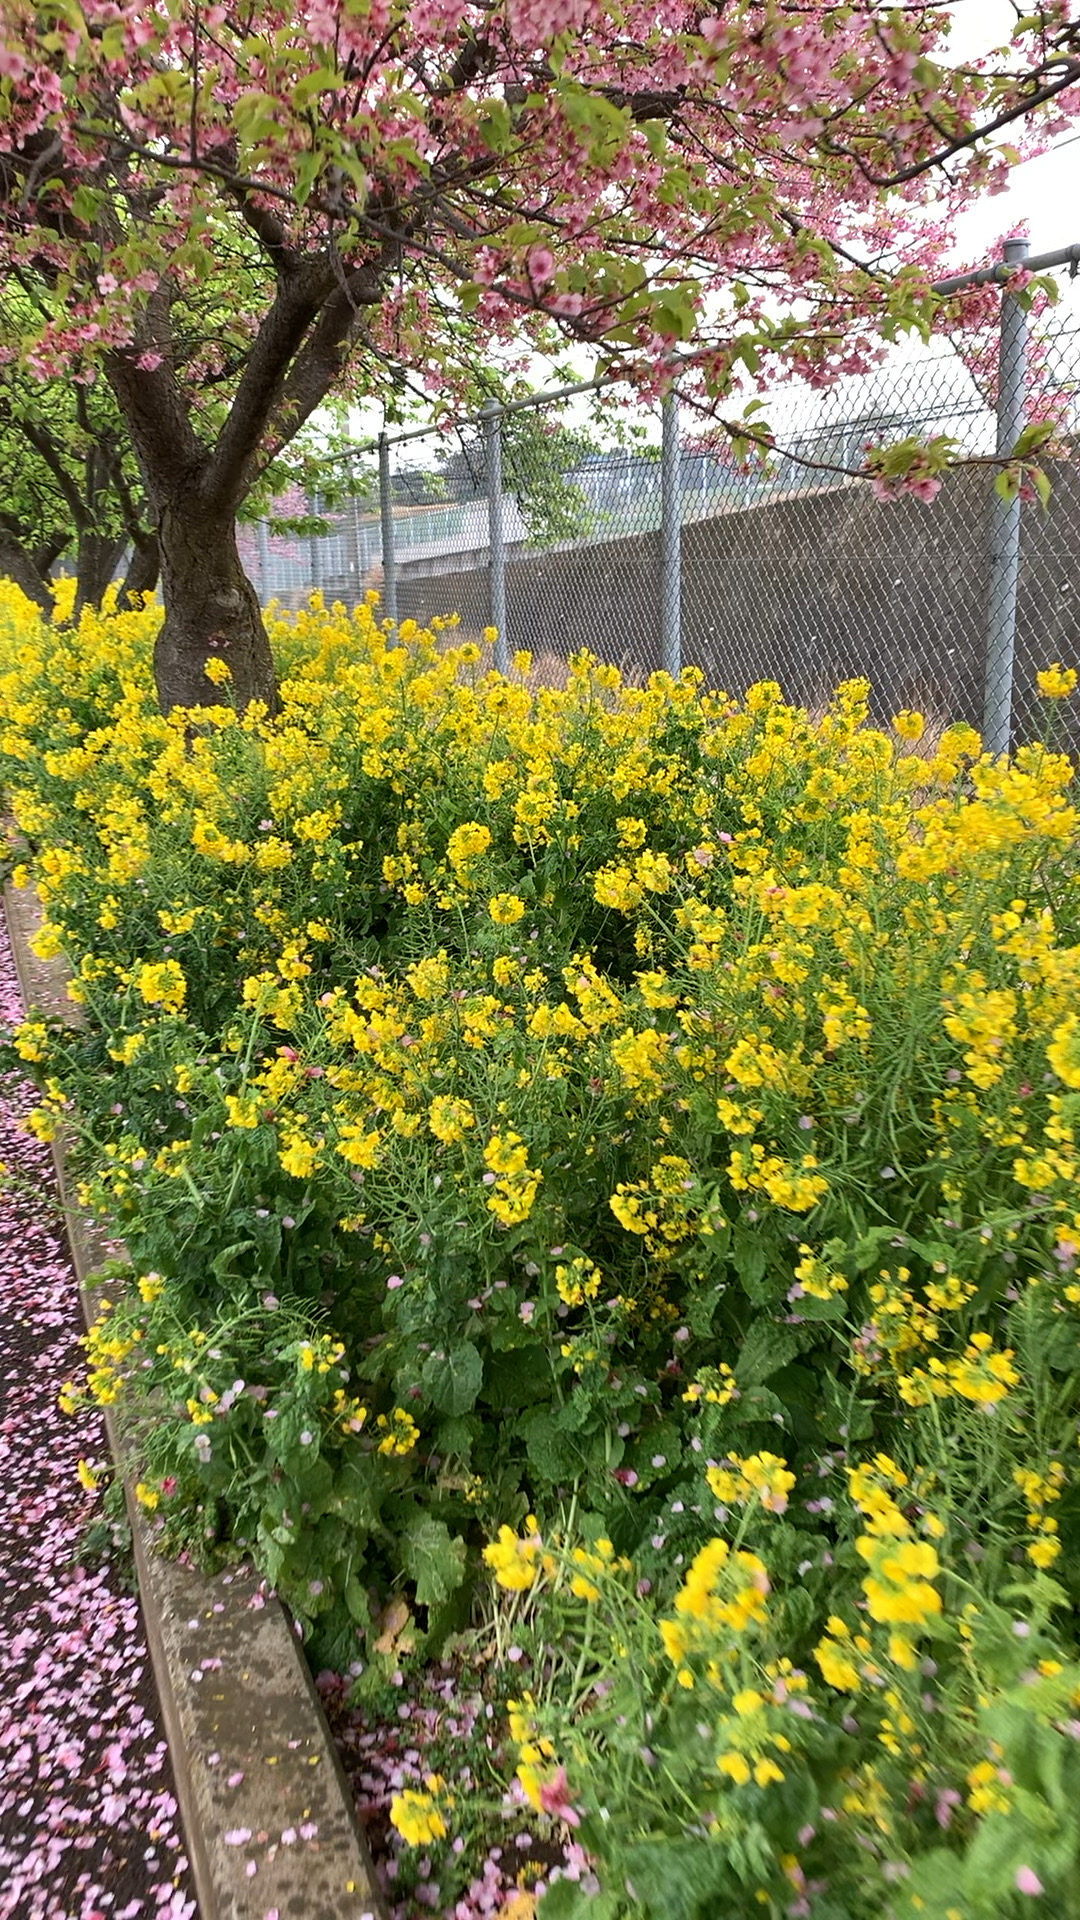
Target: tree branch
{"points": [[279, 339], [46, 448], [315, 368], [268, 230], [133, 519], [157, 415], [48, 553], [1039, 98]]}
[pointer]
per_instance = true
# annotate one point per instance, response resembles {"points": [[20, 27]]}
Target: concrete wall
{"points": [[808, 589]]}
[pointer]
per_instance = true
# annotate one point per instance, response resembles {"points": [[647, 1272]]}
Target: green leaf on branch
{"points": [[496, 129], [86, 204], [1034, 436], [311, 85]]}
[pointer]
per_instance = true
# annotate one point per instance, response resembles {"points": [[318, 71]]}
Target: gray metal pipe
{"points": [[262, 533], [670, 537], [386, 517], [1038, 263], [315, 552], [1005, 520], [492, 418]]}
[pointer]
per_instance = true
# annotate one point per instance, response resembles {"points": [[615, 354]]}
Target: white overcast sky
{"points": [[1044, 192]]}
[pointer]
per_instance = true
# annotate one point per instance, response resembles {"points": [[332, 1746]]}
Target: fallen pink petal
{"points": [[88, 1816]]}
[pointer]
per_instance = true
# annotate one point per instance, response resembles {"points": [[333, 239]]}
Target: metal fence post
{"points": [[496, 532], [315, 552], [1005, 520], [670, 537], [386, 516], [355, 568], [262, 534]]}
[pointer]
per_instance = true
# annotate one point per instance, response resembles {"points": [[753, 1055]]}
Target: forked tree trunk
{"points": [[210, 608]]}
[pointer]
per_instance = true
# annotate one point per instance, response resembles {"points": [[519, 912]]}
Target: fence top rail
{"points": [[996, 275], [493, 407], [984, 276]]}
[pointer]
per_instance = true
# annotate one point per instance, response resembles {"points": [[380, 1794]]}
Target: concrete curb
{"points": [[250, 1747]]}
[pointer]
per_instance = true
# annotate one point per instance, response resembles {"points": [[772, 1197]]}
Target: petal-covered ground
{"points": [[442, 1722], [88, 1819]]}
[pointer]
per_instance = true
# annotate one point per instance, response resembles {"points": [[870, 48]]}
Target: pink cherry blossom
{"points": [[555, 1799]]}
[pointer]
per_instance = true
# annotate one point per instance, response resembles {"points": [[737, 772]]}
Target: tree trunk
{"points": [[16, 564], [144, 567], [210, 608], [98, 555]]}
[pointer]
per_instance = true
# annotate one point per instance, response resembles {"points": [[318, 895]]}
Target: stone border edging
{"points": [[251, 1751]]}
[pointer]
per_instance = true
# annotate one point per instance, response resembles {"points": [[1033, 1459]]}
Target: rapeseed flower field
{"points": [[606, 1158]]}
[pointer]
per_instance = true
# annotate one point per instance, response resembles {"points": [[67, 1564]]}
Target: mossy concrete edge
{"points": [[251, 1751]]}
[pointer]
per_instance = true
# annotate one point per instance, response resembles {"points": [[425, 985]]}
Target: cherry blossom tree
{"points": [[381, 186]]}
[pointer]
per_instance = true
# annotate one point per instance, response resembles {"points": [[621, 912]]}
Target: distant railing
{"points": [[545, 547]]}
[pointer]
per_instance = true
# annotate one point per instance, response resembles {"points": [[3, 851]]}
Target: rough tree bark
{"points": [[17, 565], [98, 555], [143, 570], [210, 608]]}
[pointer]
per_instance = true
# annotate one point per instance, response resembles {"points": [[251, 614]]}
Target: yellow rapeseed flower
{"points": [[517, 1560], [417, 1817], [1056, 682], [506, 909]]}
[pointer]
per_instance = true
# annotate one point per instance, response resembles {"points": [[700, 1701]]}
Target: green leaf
{"points": [[354, 1497], [311, 85], [566, 1900], [1034, 436], [1040, 480], [254, 109], [314, 1483], [308, 170], [937, 1879], [357, 1602], [681, 1879], [454, 1439], [765, 1350], [516, 1378], [750, 1261], [86, 203], [452, 1379], [553, 1453], [223, 1263], [496, 129], [434, 1560]]}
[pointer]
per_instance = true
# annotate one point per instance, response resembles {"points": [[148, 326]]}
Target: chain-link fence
{"points": [[586, 519]]}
